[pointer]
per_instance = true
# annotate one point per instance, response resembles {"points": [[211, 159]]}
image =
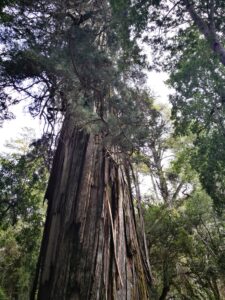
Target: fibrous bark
{"points": [[90, 247]]}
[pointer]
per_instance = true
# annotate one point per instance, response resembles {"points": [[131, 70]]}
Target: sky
{"points": [[12, 128], [156, 83]]}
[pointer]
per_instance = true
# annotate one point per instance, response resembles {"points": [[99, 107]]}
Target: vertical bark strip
{"points": [[90, 246]]}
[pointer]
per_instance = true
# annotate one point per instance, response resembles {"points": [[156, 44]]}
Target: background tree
{"points": [[23, 181], [187, 38], [184, 236], [186, 248]]}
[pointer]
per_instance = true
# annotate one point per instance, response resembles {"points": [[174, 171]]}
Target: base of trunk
{"points": [[90, 248]]}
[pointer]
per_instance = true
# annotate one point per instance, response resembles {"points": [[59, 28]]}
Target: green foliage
{"points": [[90, 68], [23, 181], [185, 238], [208, 160], [197, 77], [198, 81], [198, 109], [125, 15], [2, 295], [186, 247], [22, 65], [129, 127]]}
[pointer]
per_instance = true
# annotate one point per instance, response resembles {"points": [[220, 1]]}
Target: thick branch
{"points": [[177, 191], [208, 31]]}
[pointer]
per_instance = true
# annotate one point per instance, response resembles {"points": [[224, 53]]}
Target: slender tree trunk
{"points": [[90, 248]]}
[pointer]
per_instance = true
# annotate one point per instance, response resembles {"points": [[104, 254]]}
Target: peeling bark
{"points": [[90, 247]]}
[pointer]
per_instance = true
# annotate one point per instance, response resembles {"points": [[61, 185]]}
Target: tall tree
{"points": [[188, 41], [23, 179], [67, 57]]}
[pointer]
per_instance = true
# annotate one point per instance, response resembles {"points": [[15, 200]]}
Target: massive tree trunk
{"points": [[90, 248]]}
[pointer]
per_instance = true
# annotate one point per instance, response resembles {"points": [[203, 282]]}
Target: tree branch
{"points": [[207, 30]]}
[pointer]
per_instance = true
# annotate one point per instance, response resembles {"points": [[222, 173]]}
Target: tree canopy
{"points": [[82, 64]]}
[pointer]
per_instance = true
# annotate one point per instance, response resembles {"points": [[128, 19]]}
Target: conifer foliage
{"points": [[78, 65], [67, 58]]}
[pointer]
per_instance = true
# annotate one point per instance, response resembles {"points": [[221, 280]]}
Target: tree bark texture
{"points": [[90, 248]]}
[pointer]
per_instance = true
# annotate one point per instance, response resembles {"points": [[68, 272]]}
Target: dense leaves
{"points": [[81, 57], [186, 248], [23, 180]]}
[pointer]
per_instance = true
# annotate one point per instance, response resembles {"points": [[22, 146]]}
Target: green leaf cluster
{"points": [[186, 247], [23, 179]]}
